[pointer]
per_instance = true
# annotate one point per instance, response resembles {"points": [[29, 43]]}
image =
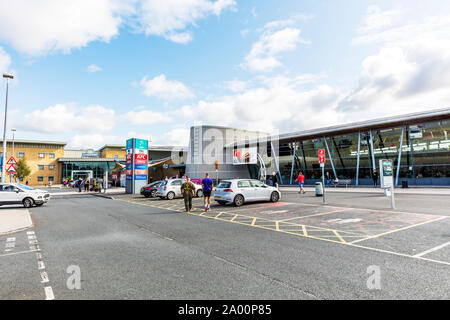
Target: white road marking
{"points": [[39, 256], [432, 249], [343, 221], [30, 232], [49, 293], [41, 265], [33, 242], [11, 240], [274, 212], [44, 277]]}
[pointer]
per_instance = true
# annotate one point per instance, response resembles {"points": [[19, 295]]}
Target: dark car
{"points": [[150, 189]]}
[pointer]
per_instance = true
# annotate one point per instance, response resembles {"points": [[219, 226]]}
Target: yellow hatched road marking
{"points": [[339, 236]]}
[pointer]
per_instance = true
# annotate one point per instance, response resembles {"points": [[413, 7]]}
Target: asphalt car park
{"points": [[412, 234]]}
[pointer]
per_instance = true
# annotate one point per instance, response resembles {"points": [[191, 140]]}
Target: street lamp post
{"points": [[12, 153], [7, 76]]}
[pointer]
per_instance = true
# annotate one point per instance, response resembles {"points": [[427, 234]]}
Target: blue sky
{"points": [[96, 73]]}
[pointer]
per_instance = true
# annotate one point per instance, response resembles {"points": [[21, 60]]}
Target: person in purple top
{"points": [[207, 186]]}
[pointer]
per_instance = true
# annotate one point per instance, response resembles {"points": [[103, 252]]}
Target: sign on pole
{"points": [[11, 161], [11, 169], [136, 164], [322, 165], [321, 155]]}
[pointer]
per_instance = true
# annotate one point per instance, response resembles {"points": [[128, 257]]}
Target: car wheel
{"points": [[238, 200], [274, 197], [153, 194], [27, 202], [222, 202], [170, 195], [199, 193]]}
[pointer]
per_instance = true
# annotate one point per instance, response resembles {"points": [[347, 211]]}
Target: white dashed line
{"points": [[49, 293], [44, 277]]}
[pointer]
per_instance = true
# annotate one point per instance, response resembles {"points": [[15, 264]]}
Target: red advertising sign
{"points": [[140, 159], [321, 155], [129, 158]]}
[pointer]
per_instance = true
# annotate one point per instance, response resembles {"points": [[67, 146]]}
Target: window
{"points": [[258, 184], [51, 167], [41, 155], [7, 188], [41, 166], [224, 184], [51, 178], [51, 155], [176, 183], [244, 184], [40, 179], [21, 154], [116, 156]]}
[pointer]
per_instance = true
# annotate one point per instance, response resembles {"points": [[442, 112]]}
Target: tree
{"points": [[23, 170]]}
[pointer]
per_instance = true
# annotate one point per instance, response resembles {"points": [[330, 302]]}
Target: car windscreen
{"points": [[24, 187], [224, 184]]}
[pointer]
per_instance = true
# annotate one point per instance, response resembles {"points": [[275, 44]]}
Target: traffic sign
{"points": [[12, 161], [321, 155], [11, 169]]}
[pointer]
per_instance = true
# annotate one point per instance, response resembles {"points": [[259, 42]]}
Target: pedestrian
{"points": [[26, 182], [375, 178], [166, 178], [86, 185], [328, 179], [301, 181], [79, 182], [188, 189], [207, 186], [274, 179]]}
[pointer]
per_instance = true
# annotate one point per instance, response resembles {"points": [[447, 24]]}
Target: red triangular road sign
{"points": [[12, 161], [11, 169]]}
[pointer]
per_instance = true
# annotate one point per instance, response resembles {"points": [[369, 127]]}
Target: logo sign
{"points": [[137, 164], [386, 173], [12, 161], [321, 155], [11, 169]]}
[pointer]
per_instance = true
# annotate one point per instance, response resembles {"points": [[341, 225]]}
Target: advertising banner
{"points": [[386, 173], [245, 156]]}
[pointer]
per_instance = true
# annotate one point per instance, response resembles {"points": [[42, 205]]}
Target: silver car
{"points": [[239, 191], [171, 189]]}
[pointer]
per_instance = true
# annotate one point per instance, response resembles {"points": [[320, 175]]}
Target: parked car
{"points": [[16, 193], [171, 188], [240, 191], [150, 189]]}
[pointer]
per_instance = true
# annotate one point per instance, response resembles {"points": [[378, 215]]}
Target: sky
{"points": [[92, 73]]}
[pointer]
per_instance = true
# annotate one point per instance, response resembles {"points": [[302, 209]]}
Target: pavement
{"points": [[13, 220], [415, 190]]}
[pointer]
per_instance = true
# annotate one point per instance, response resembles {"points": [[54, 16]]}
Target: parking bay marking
{"points": [[323, 237]]}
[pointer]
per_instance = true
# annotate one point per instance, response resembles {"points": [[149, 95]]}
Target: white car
{"points": [[171, 188], [16, 193], [239, 191]]}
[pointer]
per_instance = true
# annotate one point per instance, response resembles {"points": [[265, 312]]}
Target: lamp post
{"points": [[12, 153], [7, 76]]}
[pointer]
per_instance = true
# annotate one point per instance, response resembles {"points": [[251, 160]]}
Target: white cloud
{"points": [[276, 37], [175, 137], [170, 18], [69, 118], [93, 68], [40, 27], [146, 117], [165, 89], [5, 61], [235, 85]]}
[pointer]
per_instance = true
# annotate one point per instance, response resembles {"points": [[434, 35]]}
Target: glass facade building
{"points": [[98, 168], [418, 145]]}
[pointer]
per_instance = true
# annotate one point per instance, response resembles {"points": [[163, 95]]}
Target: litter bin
{"points": [[404, 184], [319, 189]]}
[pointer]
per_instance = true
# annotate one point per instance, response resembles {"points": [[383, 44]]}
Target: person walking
{"points": [[274, 179], [207, 186], [79, 182], [328, 179], [375, 178], [86, 185], [301, 181], [188, 190]]}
